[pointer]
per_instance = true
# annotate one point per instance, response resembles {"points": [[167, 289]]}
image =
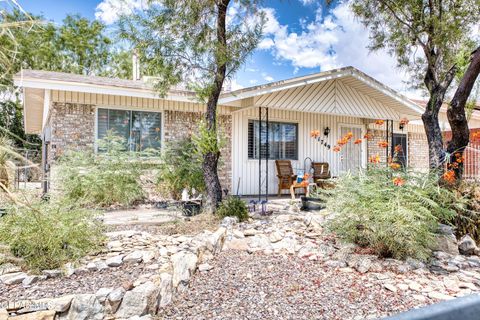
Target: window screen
{"points": [[141, 130], [282, 138]]}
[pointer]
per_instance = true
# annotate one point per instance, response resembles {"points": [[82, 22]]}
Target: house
{"points": [[72, 111]]}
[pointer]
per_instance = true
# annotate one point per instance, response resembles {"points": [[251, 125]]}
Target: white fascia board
{"points": [[92, 88], [283, 86]]}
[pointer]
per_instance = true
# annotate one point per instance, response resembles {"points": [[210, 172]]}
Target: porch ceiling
{"points": [[339, 92], [33, 110]]}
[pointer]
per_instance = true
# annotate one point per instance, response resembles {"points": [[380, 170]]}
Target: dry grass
{"points": [[193, 225]]}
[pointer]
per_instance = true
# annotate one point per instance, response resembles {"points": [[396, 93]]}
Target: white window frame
{"points": [[125, 108]]}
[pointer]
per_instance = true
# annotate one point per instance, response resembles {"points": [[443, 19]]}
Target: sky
{"points": [[300, 37]]}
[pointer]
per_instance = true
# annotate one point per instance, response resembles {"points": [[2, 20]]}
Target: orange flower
{"points": [[398, 181], [398, 148], [475, 135], [395, 166], [374, 159], [383, 144], [336, 149], [358, 141], [349, 135], [379, 122], [453, 165], [342, 142], [368, 136], [449, 176], [314, 133], [459, 157]]}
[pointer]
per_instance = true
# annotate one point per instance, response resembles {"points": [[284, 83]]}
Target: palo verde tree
{"points": [[428, 37], [200, 44]]}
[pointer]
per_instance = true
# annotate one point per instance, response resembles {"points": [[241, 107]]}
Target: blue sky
{"points": [[301, 37]]}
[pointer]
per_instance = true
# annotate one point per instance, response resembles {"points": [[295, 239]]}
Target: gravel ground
{"points": [[257, 286], [88, 282]]}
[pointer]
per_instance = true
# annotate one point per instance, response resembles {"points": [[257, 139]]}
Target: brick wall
{"points": [[180, 125], [418, 151], [372, 144], [72, 127]]}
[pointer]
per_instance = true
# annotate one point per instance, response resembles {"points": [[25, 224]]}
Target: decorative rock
{"points": [[114, 261], [13, 278], [102, 294], [229, 221], [335, 264], [236, 244], [85, 307], [165, 289], [204, 267], [148, 256], [92, 266], [238, 234], [29, 280], [52, 273], [467, 245], [61, 304], [101, 265], [133, 257], [9, 268], [446, 243], [438, 296], [184, 264], [390, 287], [217, 239], [415, 286], [414, 263], [250, 232], [140, 301], [114, 298], [40, 315], [275, 237]]}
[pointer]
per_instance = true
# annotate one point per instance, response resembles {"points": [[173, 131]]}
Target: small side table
{"points": [[301, 185]]}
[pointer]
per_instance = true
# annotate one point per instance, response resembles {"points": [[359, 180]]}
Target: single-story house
{"points": [[72, 111]]}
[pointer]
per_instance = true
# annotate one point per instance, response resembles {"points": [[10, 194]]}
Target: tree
{"points": [[427, 37], [199, 43], [456, 112]]}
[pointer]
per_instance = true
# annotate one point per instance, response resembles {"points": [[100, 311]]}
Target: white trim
{"points": [[123, 108], [46, 108]]}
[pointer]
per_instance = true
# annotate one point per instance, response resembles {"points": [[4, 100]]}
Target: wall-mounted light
{"points": [[403, 122], [326, 131]]}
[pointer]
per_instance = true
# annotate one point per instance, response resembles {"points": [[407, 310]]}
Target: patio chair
{"points": [[321, 171], [285, 175]]}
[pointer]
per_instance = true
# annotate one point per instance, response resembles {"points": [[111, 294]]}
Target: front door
{"points": [[351, 153]]}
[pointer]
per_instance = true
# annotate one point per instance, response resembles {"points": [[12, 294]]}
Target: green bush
{"points": [[467, 220], [394, 213], [181, 168], [233, 207], [110, 177], [47, 235]]}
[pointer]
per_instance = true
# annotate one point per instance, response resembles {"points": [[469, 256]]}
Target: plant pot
{"points": [[309, 203], [190, 208]]}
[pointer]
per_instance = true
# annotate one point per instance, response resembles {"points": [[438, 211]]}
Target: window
{"points": [[282, 140], [400, 140], [141, 130]]}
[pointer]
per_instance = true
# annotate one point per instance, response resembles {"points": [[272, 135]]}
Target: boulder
{"points": [[184, 265], [102, 294], [140, 301], [165, 289], [217, 239], [39, 315], [13, 278], [467, 245], [85, 307], [446, 243], [114, 299]]}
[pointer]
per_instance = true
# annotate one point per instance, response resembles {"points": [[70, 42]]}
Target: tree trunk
{"points": [[436, 155], [210, 159], [456, 113]]}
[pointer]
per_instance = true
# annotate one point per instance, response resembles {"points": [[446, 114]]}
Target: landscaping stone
{"points": [[13, 278], [134, 257], [85, 307], [275, 237], [184, 264], [39, 315], [439, 296], [102, 294], [114, 299], [467, 245], [52, 273], [9, 268], [139, 301], [114, 261], [29, 280], [204, 267], [446, 243], [165, 289], [390, 287]]}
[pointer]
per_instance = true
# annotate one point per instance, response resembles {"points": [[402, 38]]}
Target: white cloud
{"points": [[267, 77], [336, 40], [109, 11], [307, 2], [253, 81]]}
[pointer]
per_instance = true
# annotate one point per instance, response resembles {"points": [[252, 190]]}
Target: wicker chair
{"points": [[321, 171], [285, 175]]}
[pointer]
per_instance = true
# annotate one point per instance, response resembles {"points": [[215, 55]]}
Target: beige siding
{"points": [[247, 170], [130, 102]]}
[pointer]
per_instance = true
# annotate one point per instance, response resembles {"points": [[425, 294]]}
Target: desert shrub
{"points": [[233, 207], [46, 235], [181, 168], [394, 213], [467, 219], [110, 177]]}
